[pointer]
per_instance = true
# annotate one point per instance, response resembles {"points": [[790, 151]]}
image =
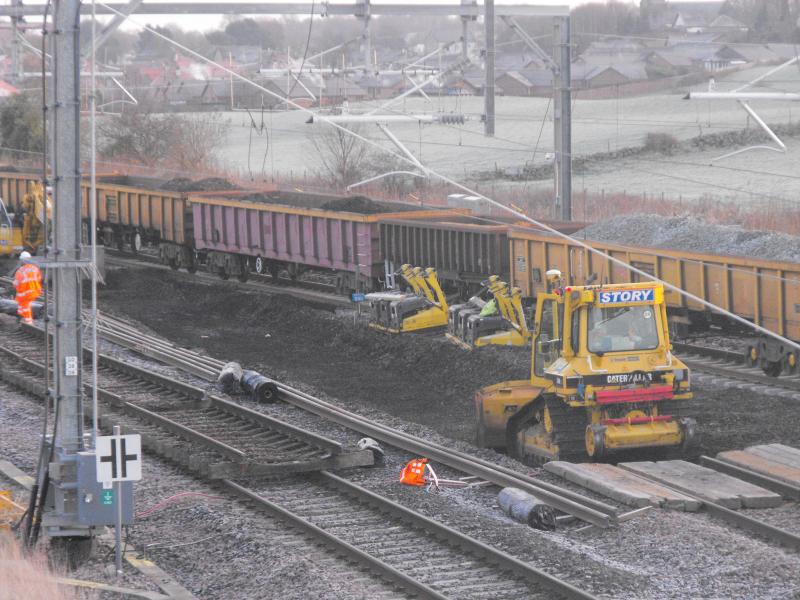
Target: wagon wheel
{"points": [[772, 368], [260, 265]]}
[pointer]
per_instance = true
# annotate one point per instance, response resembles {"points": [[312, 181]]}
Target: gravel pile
{"points": [[689, 233], [209, 184], [356, 204]]}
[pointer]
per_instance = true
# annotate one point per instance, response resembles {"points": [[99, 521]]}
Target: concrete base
{"points": [[706, 484], [772, 460], [622, 486]]}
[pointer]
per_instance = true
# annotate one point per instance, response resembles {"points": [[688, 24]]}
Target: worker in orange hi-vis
{"points": [[28, 284], [414, 472]]}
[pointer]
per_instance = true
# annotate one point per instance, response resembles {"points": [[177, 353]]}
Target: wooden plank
{"points": [[622, 486], [706, 484], [756, 470]]}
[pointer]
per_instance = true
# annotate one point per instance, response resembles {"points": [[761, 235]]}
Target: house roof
{"points": [[518, 77], [673, 58], [627, 70], [727, 22], [747, 52], [6, 89], [240, 54], [341, 86]]}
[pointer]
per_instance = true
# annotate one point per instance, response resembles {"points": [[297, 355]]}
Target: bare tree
{"points": [[184, 142], [197, 139], [342, 156]]}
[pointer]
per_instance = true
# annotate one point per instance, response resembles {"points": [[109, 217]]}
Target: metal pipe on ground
{"points": [[261, 389], [526, 508]]}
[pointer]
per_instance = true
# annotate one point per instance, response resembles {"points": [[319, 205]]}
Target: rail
{"points": [[730, 365]]}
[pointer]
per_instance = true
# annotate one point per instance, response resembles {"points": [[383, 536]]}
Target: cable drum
{"points": [[261, 389]]}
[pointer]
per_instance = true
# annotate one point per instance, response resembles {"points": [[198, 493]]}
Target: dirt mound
{"points": [[691, 234], [209, 184], [356, 204]]}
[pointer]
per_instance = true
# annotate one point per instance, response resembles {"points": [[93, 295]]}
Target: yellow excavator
{"points": [[603, 379], [25, 230], [470, 327], [425, 307]]}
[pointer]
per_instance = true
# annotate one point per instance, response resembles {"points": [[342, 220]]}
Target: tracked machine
{"points": [[423, 308], [507, 326], [603, 379]]}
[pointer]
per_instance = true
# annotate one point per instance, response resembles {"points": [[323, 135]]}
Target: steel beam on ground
{"points": [[300, 8]]}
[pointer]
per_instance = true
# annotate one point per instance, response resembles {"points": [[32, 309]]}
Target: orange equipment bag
{"points": [[414, 472]]}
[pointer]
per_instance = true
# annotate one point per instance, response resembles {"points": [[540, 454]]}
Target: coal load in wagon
{"points": [[209, 184], [352, 204], [356, 204]]}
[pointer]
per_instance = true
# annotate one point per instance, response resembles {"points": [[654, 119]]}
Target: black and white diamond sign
{"points": [[119, 458]]}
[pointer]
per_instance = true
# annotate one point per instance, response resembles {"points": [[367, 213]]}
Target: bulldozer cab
{"points": [[547, 334]]}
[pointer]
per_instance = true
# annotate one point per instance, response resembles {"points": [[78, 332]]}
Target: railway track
{"points": [[227, 443], [423, 556], [729, 365], [204, 433]]}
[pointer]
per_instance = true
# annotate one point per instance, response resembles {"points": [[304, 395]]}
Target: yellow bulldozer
{"points": [[499, 322], [25, 230], [423, 307], [603, 379]]}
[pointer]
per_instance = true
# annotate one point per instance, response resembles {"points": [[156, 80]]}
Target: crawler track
{"points": [[730, 365]]}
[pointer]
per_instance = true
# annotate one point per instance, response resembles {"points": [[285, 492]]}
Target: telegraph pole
{"points": [[488, 88], [363, 11], [562, 120], [465, 30], [64, 261], [16, 46]]}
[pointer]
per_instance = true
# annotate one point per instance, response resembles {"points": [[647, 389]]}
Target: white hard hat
{"points": [[25, 255]]}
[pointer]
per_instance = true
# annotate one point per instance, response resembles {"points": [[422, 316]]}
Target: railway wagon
{"points": [[764, 292], [134, 211], [235, 232], [463, 250]]}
